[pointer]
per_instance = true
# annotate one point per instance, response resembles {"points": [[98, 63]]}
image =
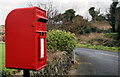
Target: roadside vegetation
{"points": [[61, 40], [98, 47], [101, 33], [100, 41], [2, 56]]}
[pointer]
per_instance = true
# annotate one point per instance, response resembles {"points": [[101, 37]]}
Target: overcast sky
{"points": [[80, 6]]}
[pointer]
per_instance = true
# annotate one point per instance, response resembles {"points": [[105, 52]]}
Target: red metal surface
{"points": [[23, 32]]}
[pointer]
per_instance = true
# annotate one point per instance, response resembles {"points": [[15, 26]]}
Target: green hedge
{"points": [[61, 40]]}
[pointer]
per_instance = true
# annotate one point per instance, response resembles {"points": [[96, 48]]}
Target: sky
{"points": [[80, 6]]}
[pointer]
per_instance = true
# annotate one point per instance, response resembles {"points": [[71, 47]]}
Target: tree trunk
{"points": [[118, 29], [113, 29], [118, 34]]}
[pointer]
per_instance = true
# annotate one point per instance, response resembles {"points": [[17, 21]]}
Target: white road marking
{"points": [[106, 54]]}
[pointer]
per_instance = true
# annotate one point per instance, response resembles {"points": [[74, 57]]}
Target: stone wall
{"points": [[59, 63]]}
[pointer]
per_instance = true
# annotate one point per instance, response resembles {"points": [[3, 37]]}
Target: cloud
{"points": [[7, 6], [80, 6]]}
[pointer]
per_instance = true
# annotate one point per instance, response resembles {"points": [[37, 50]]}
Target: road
{"points": [[97, 62]]}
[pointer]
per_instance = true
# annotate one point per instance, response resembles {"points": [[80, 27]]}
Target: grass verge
{"points": [[5, 71], [2, 56], [99, 47], [111, 35]]}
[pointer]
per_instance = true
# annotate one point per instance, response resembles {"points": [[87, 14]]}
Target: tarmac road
{"points": [[97, 62]]}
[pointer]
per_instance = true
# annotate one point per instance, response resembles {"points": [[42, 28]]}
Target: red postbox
{"points": [[25, 31]]}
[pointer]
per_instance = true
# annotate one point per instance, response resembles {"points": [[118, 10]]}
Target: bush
{"points": [[88, 30], [61, 40], [112, 44], [78, 25], [111, 35], [3, 38], [94, 29], [97, 40]]}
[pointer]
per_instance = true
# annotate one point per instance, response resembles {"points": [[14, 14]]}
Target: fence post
{"points": [[74, 56]]}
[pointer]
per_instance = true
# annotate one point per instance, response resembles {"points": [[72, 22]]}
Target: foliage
{"points": [[112, 44], [4, 38], [69, 14], [93, 40], [104, 42], [60, 20], [93, 29], [98, 47], [101, 17], [2, 56], [9, 73], [83, 27], [5, 73], [96, 16], [111, 17], [70, 22], [93, 13], [111, 35], [78, 25], [118, 21], [61, 40], [75, 24]]}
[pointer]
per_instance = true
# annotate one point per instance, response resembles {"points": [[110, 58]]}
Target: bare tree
{"points": [[51, 11]]}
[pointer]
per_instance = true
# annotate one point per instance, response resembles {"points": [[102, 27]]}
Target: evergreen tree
{"points": [[111, 17]]}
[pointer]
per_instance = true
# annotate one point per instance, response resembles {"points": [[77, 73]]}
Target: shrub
{"points": [[94, 29], [97, 40], [78, 25], [61, 40], [112, 44], [111, 35], [88, 30]]}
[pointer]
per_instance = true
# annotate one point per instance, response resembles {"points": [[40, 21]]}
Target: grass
{"points": [[111, 35], [99, 47], [5, 71], [2, 56]]}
